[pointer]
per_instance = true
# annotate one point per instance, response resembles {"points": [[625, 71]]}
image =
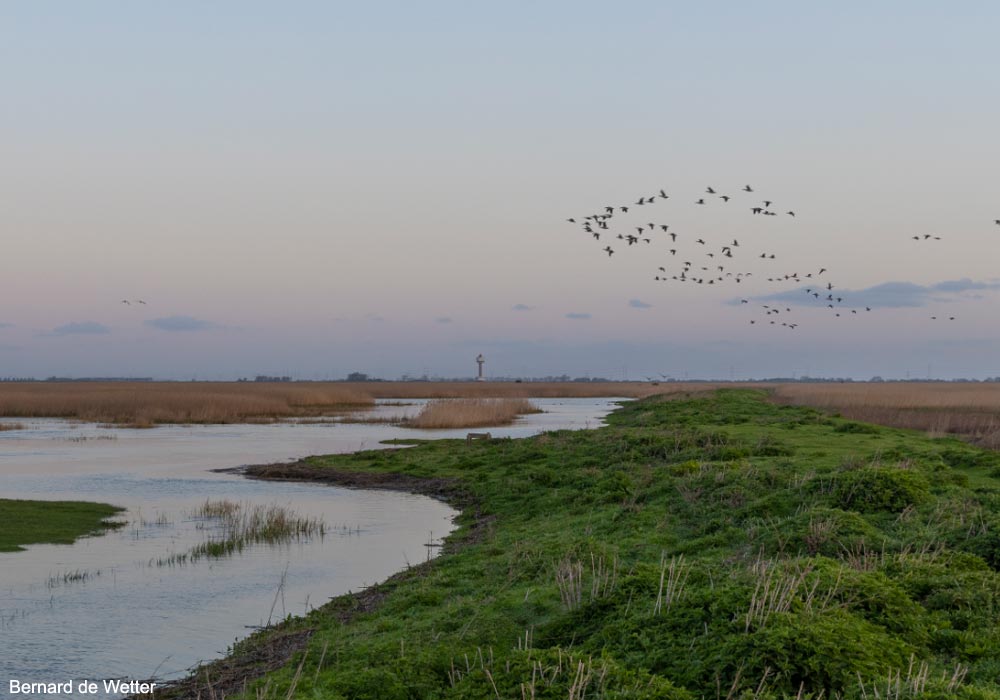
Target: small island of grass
{"points": [[50, 522]]}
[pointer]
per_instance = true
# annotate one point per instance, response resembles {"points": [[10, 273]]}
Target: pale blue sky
{"points": [[311, 188]]}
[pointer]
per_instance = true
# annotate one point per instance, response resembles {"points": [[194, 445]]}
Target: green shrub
{"points": [[870, 490], [857, 428]]}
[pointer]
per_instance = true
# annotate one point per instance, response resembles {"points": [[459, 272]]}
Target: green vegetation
{"points": [[50, 522], [714, 547], [243, 525]]}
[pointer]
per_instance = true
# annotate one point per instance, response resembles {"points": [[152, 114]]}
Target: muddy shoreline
{"points": [[271, 648]]}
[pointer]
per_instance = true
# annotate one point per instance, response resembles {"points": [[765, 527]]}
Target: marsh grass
{"points": [[52, 522], [237, 526], [142, 405], [11, 426], [69, 577], [148, 404], [673, 577], [799, 559], [470, 413], [90, 438], [938, 408]]}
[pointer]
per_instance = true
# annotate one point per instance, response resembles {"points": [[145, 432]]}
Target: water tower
{"points": [[480, 360]]}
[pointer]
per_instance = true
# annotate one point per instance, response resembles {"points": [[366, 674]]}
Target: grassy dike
{"points": [[50, 522], [711, 547]]}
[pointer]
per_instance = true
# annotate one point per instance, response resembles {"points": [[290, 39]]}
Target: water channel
{"points": [[111, 607]]}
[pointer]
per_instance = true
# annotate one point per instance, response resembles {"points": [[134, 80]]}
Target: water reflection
{"points": [[109, 607]]}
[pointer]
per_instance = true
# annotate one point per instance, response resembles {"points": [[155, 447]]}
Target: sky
{"points": [[317, 188]]}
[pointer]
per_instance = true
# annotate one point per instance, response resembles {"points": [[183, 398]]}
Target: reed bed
{"points": [[470, 413], [145, 404], [258, 523], [11, 426], [243, 525], [939, 408]]}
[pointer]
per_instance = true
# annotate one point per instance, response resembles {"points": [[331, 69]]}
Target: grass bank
{"points": [[50, 522], [710, 547]]}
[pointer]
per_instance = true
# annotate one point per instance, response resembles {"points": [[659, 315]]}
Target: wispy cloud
{"points": [[885, 295], [639, 304], [81, 328], [521, 307], [443, 319], [6, 325], [578, 316], [181, 324]]}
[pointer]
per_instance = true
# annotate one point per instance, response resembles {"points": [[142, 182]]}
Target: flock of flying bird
{"points": [[696, 261]]}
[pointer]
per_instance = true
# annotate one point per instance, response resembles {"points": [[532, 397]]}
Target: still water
{"points": [[109, 607]]}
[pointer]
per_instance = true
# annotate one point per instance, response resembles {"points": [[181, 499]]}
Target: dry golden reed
{"points": [[940, 408], [470, 413], [143, 404]]}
